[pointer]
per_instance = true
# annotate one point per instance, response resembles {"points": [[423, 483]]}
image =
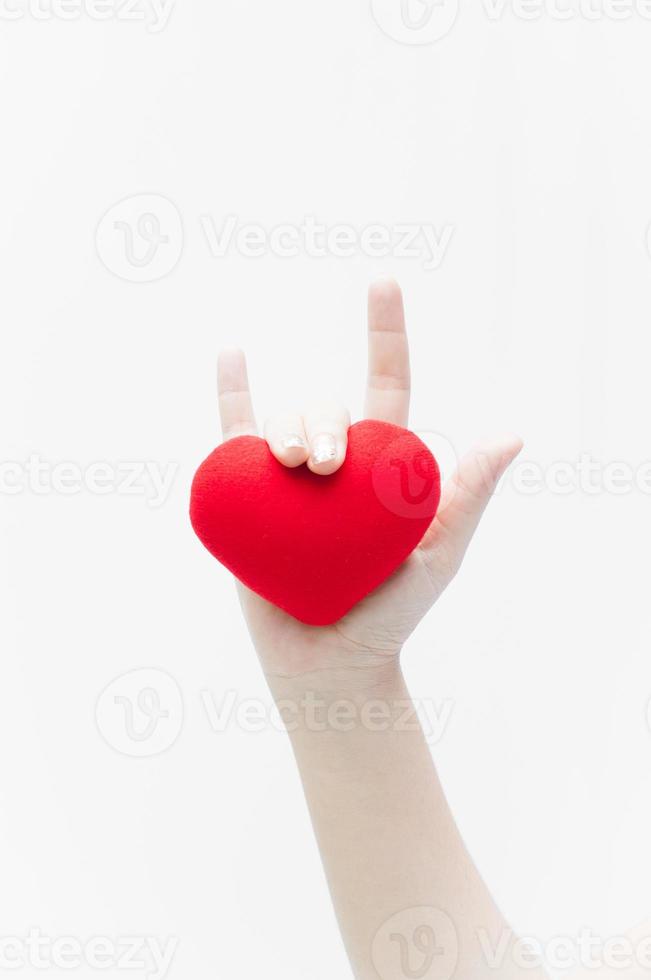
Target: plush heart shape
{"points": [[316, 545]]}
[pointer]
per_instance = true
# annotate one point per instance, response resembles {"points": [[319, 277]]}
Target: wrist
{"points": [[340, 698], [338, 679], [342, 724]]}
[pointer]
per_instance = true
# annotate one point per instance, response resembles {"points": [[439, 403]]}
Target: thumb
{"points": [[466, 494]]}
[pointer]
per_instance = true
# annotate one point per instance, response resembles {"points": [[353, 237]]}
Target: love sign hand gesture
{"points": [[377, 627]]}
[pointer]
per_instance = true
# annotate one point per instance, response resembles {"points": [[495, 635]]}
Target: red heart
{"points": [[316, 545]]}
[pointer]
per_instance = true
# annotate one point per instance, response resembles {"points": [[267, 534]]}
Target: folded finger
{"points": [[326, 429], [287, 439]]}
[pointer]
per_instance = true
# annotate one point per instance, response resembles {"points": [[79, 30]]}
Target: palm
{"points": [[374, 629], [377, 627]]}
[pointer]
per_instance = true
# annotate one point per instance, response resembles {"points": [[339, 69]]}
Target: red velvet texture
{"points": [[316, 545]]}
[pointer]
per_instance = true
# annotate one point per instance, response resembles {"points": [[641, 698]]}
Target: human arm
{"points": [[388, 841]]}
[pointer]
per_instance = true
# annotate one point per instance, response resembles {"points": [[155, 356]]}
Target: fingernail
{"points": [[293, 442], [324, 449]]}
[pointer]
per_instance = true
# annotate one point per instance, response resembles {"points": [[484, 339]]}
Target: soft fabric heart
{"points": [[315, 545]]}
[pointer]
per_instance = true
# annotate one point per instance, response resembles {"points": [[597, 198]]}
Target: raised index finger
{"points": [[235, 406], [388, 389]]}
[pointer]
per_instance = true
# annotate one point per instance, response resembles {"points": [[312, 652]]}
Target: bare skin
{"points": [[374, 632], [408, 897]]}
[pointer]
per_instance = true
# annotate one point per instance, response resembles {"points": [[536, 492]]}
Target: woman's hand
{"points": [[372, 634], [396, 864]]}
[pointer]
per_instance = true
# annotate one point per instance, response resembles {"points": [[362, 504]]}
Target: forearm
{"points": [[387, 838]]}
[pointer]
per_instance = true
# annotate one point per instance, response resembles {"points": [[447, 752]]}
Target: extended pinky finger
{"points": [[235, 406]]}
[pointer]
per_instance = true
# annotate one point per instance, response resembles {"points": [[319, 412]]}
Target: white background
{"points": [[532, 140]]}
